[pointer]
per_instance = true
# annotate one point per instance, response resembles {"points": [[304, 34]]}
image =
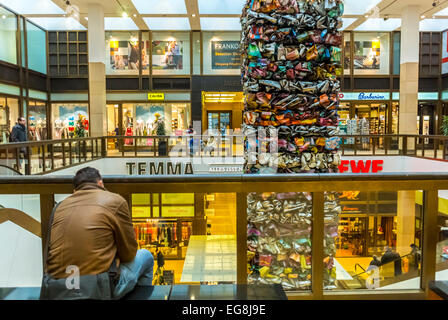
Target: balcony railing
{"points": [[317, 184], [46, 156]]}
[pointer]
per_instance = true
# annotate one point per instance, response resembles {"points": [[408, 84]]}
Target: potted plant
{"points": [[444, 127]]}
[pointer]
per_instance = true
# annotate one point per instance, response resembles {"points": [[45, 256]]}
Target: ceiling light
{"points": [[423, 17], [86, 18], [366, 16], [134, 15], [3, 17], [124, 15], [193, 15]]}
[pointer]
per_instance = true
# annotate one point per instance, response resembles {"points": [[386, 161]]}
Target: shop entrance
{"points": [[219, 121], [222, 111], [367, 118]]}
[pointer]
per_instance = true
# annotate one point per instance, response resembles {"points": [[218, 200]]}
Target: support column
{"points": [[409, 71], [405, 221], [97, 71]]}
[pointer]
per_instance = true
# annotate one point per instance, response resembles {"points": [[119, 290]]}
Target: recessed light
{"points": [[86, 18], [193, 15], [423, 17], [3, 17], [124, 15], [366, 16], [134, 15]]}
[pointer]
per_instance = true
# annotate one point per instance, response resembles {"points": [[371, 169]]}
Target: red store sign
{"points": [[361, 166]]}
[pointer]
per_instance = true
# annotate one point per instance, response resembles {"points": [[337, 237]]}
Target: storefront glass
{"points": [[8, 27], [221, 53], [70, 121], [198, 243], [222, 111], [9, 112], [37, 121], [170, 53], [122, 52], [139, 119], [395, 122], [371, 53], [374, 237]]}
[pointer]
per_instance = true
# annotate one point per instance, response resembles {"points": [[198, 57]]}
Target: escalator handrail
{"points": [[358, 265], [393, 261]]}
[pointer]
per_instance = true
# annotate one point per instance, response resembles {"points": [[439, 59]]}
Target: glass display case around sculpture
{"points": [[291, 61]]}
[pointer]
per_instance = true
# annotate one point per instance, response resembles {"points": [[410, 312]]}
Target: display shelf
{"points": [[67, 53]]}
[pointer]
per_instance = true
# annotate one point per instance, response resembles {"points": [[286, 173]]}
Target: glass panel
{"points": [[70, 121], [347, 49], [279, 239], [141, 212], [141, 198], [373, 248], [145, 52], [222, 53], [206, 258], [36, 48], [371, 53], [197, 53], [177, 198], [9, 112], [8, 27], [397, 52], [177, 211], [22, 256], [442, 245], [37, 121], [170, 53], [122, 53]]}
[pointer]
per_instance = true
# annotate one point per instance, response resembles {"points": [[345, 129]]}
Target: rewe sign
{"points": [[361, 166]]}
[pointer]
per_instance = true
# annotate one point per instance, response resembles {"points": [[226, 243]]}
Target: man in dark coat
{"points": [[390, 256], [18, 132]]}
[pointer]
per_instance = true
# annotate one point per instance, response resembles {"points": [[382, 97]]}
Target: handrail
{"points": [[358, 265], [388, 263]]}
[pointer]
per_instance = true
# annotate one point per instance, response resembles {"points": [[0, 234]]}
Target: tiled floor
{"points": [[210, 259]]}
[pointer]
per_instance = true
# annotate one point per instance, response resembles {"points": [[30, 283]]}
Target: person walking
{"points": [[18, 134], [90, 229], [415, 256]]}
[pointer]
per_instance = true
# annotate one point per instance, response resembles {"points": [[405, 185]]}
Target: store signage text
{"points": [[159, 168], [156, 96], [364, 96], [361, 166]]}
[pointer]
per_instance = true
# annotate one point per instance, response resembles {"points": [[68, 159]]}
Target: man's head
{"points": [[21, 120], [413, 246], [87, 175]]}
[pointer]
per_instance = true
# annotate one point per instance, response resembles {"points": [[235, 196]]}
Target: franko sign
{"points": [[159, 168]]}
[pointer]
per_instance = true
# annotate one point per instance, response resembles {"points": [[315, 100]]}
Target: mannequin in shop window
{"points": [[128, 142], [58, 129]]}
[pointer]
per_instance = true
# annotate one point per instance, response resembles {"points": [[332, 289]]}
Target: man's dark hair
{"points": [[85, 175], [20, 119]]}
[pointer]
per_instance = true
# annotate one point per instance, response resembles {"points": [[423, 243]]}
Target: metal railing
{"points": [[241, 185], [50, 155]]}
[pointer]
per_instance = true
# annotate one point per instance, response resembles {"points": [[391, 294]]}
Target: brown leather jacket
{"points": [[89, 229]]}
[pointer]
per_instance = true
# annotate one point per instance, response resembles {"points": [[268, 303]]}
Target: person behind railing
{"points": [[18, 134], [415, 256], [93, 227], [190, 131], [374, 263], [391, 256]]}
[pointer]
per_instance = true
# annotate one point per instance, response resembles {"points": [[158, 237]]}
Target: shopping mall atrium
{"points": [[289, 145]]}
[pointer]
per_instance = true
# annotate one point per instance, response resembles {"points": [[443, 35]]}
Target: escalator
{"points": [[392, 273]]}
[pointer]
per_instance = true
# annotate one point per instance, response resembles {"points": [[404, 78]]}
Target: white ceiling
{"points": [[219, 15]]}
